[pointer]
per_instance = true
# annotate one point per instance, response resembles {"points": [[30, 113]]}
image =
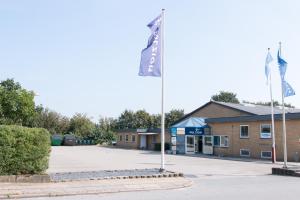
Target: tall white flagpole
{"points": [[162, 168], [283, 120], [273, 124]]}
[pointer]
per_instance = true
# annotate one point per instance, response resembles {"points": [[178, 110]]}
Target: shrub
{"points": [[23, 150], [157, 146]]}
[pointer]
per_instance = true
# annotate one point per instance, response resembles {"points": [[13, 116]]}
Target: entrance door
{"points": [[208, 144], [200, 144], [190, 144], [143, 142]]}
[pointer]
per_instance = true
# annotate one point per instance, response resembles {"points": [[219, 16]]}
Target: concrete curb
{"points": [[25, 190], [286, 172], [44, 178]]}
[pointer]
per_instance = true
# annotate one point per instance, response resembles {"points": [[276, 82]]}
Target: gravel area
{"points": [[107, 174]]}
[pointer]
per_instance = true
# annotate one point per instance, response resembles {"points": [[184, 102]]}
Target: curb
{"points": [[85, 189], [45, 178], [285, 172]]}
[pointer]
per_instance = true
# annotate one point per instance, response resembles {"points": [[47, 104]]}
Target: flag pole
{"points": [[273, 124], [162, 167], [283, 119]]}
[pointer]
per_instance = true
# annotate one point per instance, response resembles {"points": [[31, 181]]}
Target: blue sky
{"points": [[83, 56]]}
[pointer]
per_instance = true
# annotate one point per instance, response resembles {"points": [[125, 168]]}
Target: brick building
{"points": [[239, 130], [141, 138]]}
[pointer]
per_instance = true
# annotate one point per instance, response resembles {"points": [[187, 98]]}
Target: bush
{"points": [[157, 146], [23, 150]]}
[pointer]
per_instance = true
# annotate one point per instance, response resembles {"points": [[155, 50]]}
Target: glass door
{"points": [[190, 144]]}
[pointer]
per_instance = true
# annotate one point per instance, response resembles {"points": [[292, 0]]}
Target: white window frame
{"points": [[221, 140], [241, 131], [270, 131], [261, 154], [245, 150]]}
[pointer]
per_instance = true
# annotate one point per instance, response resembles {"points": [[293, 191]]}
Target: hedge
{"points": [[23, 150]]}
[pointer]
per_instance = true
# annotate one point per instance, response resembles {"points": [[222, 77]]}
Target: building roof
{"points": [[191, 122], [257, 109], [249, 109], [253, 118]]}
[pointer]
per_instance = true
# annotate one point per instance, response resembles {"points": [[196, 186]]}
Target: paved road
{"points": [[212, 178]]}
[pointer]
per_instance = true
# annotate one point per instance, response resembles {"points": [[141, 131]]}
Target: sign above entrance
{"points": [[194, 131]]}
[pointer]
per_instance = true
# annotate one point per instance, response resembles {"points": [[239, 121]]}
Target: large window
{"points": [[221, 141], [133, 138], [126, 138], [244, 131], [120, 138], [245, 152], [265, 131], [266, 154]]}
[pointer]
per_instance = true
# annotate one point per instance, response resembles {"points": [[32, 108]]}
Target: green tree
{"points": [[53, 121], [173, 116], [227, 97], [82, 126], [142, 119], [16, 104], [125, 120]]}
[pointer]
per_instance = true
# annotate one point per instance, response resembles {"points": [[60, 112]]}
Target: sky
{"points": [[83, 56]]}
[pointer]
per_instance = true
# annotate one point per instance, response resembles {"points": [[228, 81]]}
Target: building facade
{"points": [[146, 139], [237, 130]]}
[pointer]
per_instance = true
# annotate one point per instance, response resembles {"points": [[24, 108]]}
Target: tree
{"points": [[82, 126], [52, 121], [16, 104], [173, 116], [142, 119], [227, 97], [125, 120]]}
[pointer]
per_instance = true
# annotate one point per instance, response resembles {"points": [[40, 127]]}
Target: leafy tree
{"points": [[125, 121], [52, 121], [142, 119], [173, 116], [155, 121], [227, 97], [16, 104], [82, 126]]}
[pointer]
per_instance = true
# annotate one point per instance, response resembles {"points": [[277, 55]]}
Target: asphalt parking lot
{"points": [[212, 178]]}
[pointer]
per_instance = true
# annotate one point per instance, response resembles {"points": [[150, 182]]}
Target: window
{"points": [[265, 131], [245, 152], [266, 154], [133, 138], [221, 141], [120, 138], [126, 138], [206, 131], [208, 141], [153, 138], [244, 131]]}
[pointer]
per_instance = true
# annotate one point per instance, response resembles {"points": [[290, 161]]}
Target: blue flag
{"points": [[150, 59], [287, 89], [282, 65], [267, 67]]}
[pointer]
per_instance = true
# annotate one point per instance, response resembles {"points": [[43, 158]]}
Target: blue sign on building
{"points": [[194, 131], [173, 132]]}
